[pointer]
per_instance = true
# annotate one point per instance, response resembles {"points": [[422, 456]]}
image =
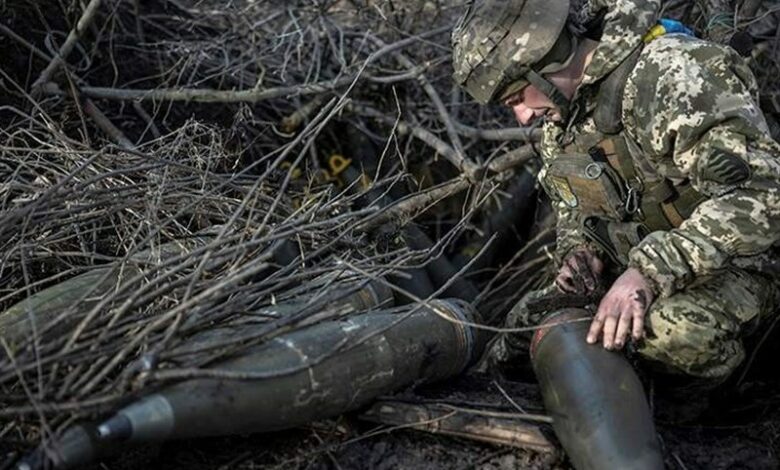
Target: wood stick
{"points": [[70, 42], [207, 95], [106, 125], [526, 134], [419, 201], [490, 427], [512, 159]]}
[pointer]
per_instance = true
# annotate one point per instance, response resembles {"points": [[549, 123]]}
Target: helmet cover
{"points": [[498, 41]]}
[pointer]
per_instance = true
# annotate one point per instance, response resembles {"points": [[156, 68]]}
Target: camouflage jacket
{"points": [[689, 113]]}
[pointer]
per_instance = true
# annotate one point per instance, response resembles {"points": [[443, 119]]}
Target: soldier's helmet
{"points": [[497, 42]]}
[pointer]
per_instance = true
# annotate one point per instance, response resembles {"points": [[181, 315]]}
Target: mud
{"points": [[735, 433]]}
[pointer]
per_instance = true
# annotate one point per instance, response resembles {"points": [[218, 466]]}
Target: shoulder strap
{"points": [[608, 115]]}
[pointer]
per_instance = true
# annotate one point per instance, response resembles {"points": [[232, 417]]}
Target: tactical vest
{"points": [[618, 204]]}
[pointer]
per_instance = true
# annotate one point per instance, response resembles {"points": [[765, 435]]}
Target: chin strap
{"points": [[551, 91]]}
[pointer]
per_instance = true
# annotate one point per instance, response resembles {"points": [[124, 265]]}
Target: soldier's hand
{"points": [[622, 310], [580, 272]]}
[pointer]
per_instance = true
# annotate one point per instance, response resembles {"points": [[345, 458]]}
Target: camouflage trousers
{"points": [[697, 332]]}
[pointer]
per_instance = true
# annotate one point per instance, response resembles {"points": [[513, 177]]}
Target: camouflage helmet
{"points": [[497, 42]]}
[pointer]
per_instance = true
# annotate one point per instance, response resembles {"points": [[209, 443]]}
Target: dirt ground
{"points": [[740, 435]]}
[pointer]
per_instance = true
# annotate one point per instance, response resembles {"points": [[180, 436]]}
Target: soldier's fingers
{"points": [[610, 325], [580, 265], [564, 283], [564, 277], [577, 283], [566, 286], [623, 328], [565, 268], [638, 329], [596, 265], [595, 328], [585, 270], [571, 264]]}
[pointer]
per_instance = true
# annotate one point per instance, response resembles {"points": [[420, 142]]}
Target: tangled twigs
{"points": [[182, 210], [403, 209], [441, 147], [417, 202], [458, 155], [89, 106]]}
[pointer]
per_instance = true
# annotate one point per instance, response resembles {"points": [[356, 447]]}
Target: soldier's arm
{"points": [[569, 235], [704, 113]]}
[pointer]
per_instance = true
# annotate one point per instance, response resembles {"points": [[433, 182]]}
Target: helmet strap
{"points": [[551, 91]]}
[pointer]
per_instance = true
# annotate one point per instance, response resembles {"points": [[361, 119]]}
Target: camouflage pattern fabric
{"points": [[690, 111], [569, 231], [692, 108], [508, 348], [625, 24], [696, 332], [497, 41]]}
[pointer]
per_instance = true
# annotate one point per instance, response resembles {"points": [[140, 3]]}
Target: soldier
{"points": [[660, 167]]}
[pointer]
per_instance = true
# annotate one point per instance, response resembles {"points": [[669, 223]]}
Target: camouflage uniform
{"points": [[689, 115]]}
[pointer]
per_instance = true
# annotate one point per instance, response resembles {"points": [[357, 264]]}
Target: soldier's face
{"points": [[530, 104]]}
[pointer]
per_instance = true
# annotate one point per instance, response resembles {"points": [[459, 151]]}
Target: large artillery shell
{"points": [[319, 372], [600, 413], [81, 444], [56, 307], [78, 294]]}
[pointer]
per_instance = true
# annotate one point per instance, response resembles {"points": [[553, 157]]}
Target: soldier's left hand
{"points": [[622, 310]]}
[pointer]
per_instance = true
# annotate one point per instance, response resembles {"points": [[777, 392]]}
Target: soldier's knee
{"points": [[510, 346], [697, 331], [682, 356], [521, 316], [688, 338]]}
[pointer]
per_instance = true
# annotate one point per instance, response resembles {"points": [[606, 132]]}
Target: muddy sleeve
{"points": [[706, 117]]}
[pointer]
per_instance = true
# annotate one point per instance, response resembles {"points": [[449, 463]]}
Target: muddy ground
{"points": [[739, 430]]}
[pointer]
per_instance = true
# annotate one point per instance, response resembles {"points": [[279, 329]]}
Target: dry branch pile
{"points": [[186, 164]]}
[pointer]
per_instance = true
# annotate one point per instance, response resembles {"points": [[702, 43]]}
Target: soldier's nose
{"points": [[523, 114]]}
